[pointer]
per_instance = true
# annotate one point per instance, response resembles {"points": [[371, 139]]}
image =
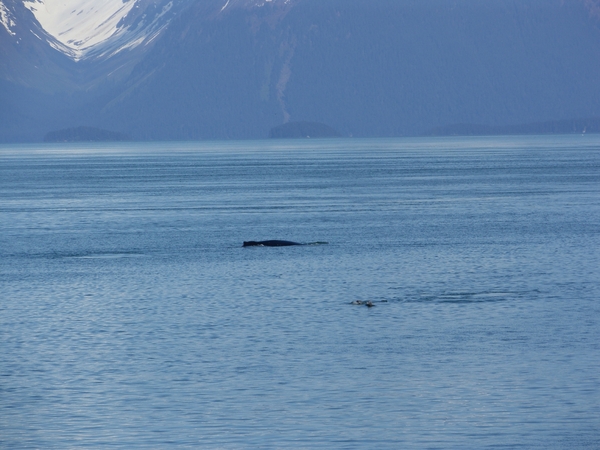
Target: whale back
{"points": [[270, 243]]}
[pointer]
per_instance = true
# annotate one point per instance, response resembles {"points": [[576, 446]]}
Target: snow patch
{"points": [[89, 29], [143, 34], [80, 25], [251, 3], [6, 19]]}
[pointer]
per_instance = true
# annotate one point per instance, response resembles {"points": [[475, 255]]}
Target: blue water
{"points": [[131, 316]]}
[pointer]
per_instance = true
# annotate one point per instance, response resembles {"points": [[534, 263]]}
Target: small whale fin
{"points": [[278, 243]]}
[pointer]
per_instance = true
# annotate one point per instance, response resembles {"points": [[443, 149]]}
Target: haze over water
{"points": [[131, 316]]}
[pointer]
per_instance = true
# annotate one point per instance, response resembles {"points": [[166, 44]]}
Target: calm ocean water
{"points": [[131, 316]]}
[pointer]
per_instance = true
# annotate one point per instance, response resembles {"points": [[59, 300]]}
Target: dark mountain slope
{"points": [[26, 59], [209, 77], [399, 67], [385, 68]]}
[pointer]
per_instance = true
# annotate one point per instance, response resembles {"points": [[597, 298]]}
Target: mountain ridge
{"points": [[566, 126], [235, 70]]}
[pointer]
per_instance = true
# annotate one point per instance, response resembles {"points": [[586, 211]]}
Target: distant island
{"points": [[85, 134], [303, 130], [572, 126]]}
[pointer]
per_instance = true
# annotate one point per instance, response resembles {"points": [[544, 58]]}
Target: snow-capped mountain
{"points": [[80, 24], [102, 28], [7, 19], [65, 45], [213, 69], [90, 29]]}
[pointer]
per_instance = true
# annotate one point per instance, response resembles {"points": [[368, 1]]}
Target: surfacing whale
{"points": [[276, 243], [271, 243]]}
